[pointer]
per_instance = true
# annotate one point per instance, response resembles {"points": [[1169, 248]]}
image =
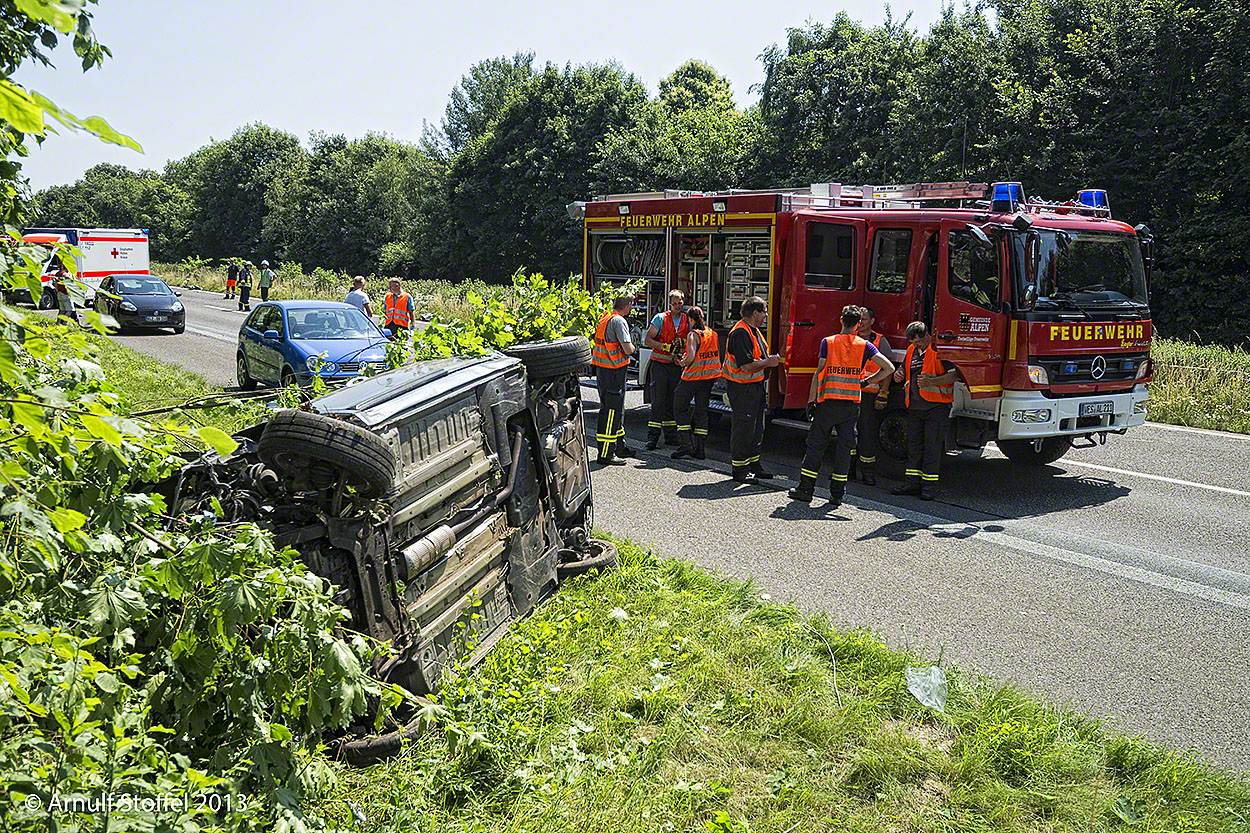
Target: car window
{"points": [[141, 286], [254, 321], [891, 248], [273, 320], [972, 270], [329, 324], [830, 260], [107, 286]]}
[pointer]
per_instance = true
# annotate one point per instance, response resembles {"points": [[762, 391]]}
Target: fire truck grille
{"points": [[1075, 370]]}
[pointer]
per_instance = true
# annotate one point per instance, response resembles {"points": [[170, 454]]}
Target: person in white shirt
{"points": [[358, 298]]}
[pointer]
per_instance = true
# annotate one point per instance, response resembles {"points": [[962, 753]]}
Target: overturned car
{"points": [[422, 492]]}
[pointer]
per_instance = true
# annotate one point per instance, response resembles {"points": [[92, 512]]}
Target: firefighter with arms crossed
{"points": [[701, 367], [609, 353], [746, 365], [930, 389], [833, 402], [873, 399], [667, 339]]}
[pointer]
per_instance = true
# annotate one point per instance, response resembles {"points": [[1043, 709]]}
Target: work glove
{"points": [[811, 411]]}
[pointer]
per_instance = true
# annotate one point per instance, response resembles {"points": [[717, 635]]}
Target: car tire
{"points": [[603, 555], [1023, 451], [545, 360], [287, 378], [299, 446], [246, 382], [180, 329], [47, 300]]}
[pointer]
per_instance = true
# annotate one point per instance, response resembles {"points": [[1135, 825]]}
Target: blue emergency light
{"points": [[1006, 196], [1095, 198]]}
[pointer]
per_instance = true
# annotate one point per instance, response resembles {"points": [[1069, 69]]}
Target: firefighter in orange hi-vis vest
{"points": [[930, 390], [609, 353], [667, 339], [746, 366], [833, 403], [700, 368], [872, 402]]}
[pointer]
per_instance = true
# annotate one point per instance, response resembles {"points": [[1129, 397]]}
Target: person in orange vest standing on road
{"points": [[397, 309], [609, 353], [745, 368], [873, 399], [930, 390], [833, 404], [701, 367], [667, 339]]}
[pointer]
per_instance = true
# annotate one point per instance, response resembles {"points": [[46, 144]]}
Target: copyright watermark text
{"points": [[151, 804]]}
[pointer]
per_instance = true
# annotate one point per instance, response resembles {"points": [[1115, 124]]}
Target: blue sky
{"points": [[187, 71]]}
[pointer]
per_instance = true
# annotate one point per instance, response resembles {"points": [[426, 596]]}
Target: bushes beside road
{"points": [[1203, 386]]}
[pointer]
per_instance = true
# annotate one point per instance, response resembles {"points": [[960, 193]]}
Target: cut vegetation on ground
{"points": [[662, 697]]}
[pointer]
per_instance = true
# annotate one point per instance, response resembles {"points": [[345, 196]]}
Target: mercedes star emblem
{"points": [[1099, 367]]}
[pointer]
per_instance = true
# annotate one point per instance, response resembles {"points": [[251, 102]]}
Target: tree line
{"points": [[1150, 100]]}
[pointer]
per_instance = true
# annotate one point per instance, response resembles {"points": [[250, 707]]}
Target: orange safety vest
{"points": [[731, 370], [929, 391], [706, 364], [870, 368], [844, 367], [397, 312], [604, 353], [671, 337]]}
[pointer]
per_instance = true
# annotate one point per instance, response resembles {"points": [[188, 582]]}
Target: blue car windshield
{"points": [[330, 324]]}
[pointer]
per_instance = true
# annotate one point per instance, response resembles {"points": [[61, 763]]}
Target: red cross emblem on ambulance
{"points": [[114, 252]]}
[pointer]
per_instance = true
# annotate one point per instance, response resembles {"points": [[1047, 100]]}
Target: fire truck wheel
{"points": [[551, 359], [892, 440], [311, 451], [601, 555], [1024, 451]]}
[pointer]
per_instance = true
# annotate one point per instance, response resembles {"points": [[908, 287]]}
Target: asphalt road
{"points": [[1116, 581]]}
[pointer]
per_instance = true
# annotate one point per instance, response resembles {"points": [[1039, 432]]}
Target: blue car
{"points": [[288, 342]]}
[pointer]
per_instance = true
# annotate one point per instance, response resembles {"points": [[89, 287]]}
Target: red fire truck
{"points": [[1042, 306]]}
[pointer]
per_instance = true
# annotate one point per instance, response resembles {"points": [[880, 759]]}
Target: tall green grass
{"points": [[1200, 385], [665, 698]]}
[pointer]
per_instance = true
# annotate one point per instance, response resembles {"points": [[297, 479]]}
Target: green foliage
{"points": [[534, 310], [481, 96], [696, 85]]}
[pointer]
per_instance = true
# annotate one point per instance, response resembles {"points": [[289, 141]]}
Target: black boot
{"points": [[760, 472], [700, 443], [836, 492], [609, 460], [911, 486], [928, 489], [743, 474], [866, 474], [623, 450], [653, 442], [686, 449]]}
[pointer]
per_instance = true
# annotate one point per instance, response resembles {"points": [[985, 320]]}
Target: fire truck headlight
{"points": [[1037, 375], [1139, 407], [1031, 416], [1143, 370]]}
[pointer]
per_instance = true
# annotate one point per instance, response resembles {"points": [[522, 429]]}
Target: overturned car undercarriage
{"points": [[425, 495]]}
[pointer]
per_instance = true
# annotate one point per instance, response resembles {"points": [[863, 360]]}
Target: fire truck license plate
{"points": [[1097, 408]]}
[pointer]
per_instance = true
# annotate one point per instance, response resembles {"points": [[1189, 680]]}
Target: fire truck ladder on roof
{"points": [[837, 195]]}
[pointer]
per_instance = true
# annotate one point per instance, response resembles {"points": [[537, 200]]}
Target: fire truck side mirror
{"points": [[1147, 242], [982, 238]]}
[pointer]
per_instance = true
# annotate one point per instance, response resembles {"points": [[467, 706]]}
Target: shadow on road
{"points": [[720, 490], [817, 510]]}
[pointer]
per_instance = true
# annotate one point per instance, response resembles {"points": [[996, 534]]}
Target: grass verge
{"points": [[662, 698], [145, 383], [1200, 385]]}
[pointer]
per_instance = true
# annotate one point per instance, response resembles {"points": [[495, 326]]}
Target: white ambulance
{"points": [[102, 252]]}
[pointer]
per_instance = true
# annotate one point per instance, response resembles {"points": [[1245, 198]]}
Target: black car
{"points": [[141, 301]]}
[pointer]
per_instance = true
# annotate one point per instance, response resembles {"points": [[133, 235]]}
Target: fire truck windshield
{"points": [[1078, 268]]}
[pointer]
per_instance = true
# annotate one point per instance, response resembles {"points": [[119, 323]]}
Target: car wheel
{"points": [[600, 555], [288, 378], [180, 329], [47, 300], [551, 359], [311, 451], [1024, 451], [246, 382]]}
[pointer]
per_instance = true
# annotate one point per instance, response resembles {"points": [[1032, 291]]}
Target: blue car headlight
{"points": [[316, 364]]}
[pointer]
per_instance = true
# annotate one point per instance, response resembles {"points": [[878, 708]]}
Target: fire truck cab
{"points": [[1042, 306]]}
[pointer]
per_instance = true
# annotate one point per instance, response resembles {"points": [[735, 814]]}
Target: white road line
{"points": [[212, 335], [1160, 478], [1185, 429]]}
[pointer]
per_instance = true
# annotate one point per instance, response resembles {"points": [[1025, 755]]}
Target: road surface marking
{"points": [[1185, 429], [212, 335], [1160, 478]]}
